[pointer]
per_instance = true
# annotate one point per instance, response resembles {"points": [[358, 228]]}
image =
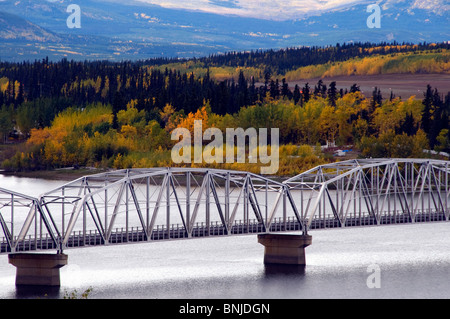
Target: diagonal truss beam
{"points": [[340, 192]]}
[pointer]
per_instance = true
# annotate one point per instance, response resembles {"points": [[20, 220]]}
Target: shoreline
{"points": [[63, 174], [70, 174]]}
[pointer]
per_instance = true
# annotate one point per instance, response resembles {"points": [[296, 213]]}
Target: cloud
{"points": [[225, 3], [436, 6], [262, 9]]}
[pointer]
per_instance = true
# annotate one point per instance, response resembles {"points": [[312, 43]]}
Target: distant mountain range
{"points": [[118, 30]]}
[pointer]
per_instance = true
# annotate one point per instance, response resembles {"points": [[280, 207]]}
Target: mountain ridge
{"points": [[117, 31], [13, 27]]}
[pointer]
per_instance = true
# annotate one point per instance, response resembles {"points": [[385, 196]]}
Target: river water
{"points": [[395, 261]]}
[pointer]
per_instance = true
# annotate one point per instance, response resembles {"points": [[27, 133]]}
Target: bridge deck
{"points": [[121, 236], [174, 203]]}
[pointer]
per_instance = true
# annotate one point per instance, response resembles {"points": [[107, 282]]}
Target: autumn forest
{"points": [[121, 115]]}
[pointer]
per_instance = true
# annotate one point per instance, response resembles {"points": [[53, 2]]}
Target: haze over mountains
{"points": [[118, 30]]}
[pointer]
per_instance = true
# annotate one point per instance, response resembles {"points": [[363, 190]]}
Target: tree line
{"points": [[122, 113], [282, 61], [98, 81], [36, 92], [95, 136]]}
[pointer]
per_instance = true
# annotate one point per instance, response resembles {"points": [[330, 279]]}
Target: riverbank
{"points": [[69, 173]]}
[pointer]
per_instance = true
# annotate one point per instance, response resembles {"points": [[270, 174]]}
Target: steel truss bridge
{"points": [[141, 205]]}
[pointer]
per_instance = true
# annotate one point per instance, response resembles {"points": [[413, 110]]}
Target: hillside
{"points": [[15, 28], [133, 30], [309, 63], [119, 115], [429, 62]]}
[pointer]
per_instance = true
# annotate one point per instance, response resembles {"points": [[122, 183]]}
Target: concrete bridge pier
{"points": [[37, 269], [284, 249]]}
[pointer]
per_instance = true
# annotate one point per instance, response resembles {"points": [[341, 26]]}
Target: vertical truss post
{"points": [[446, 191], [147, 206], [227, 201], [12, 222], [188, 203], [207, 199], [266, 204], [169, 177], [284, 210], [106, 213], [63, 211]]}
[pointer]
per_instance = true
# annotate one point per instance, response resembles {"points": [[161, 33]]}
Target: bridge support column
{"points": [[37, 269], [284, 249]]}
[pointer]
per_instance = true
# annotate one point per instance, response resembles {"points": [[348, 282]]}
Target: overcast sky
{"points": [[266, 9], [286, 9]]}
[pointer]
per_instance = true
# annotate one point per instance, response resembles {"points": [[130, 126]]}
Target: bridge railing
{"points": [[145, 198], [169, 203], [177, 231], [372, 186]]}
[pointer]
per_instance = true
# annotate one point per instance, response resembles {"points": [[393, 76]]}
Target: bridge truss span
{"points": [[373, 191], [142, 205], [155, 204]]}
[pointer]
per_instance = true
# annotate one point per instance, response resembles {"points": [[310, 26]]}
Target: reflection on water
{"points": [[28, 186], [37, 292], [276, 270], [414, 262], [413, 259]]}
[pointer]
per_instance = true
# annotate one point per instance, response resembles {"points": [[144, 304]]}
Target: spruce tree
{"points": [[427, 110], [297, 95], [332, 93], [306, 92]]}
